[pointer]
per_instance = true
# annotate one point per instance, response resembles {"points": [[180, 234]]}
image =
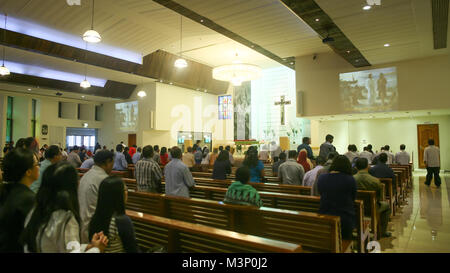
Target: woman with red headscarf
{"points": [[304, 161]]}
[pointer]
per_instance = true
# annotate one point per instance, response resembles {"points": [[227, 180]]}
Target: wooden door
{"points": [[424, 133], [131, 140]]}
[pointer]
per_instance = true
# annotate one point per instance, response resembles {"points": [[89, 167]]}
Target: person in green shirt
{"points": [[365, 181], [240, 192]]}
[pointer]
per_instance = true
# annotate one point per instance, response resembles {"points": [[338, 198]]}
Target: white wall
{"points": [[380, 132], [422, 83]]}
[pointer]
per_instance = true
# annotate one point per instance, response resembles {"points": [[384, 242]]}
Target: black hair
{"points": [[175, 152], [383, 158], [243, 175], [350, 147], [189, 149], [156, 148], [223, 156], [135, 146], [119, 148], [20, 143], [305, 140], [402, 147], [52, 151], [341, 164], [203, 152], [221, 148], [103, 156], [361, 163], [332, 155], [111, 202], [58, 191], [320, 160], [369, 146], [147, 152], [126, 149], [228, 148], [329, 137], [16, 163], [140, 149], [431, 142], [163, 150], [387, 147], [365, 149], [293, 154], [251, 160], [282, 156]]}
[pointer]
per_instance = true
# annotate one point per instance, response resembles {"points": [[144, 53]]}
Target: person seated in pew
{"points": [[52, 156], [188, 158], [126, 153], [311, 177], [73, 157], [240, 193], [110, 217], [120, 162], [88, 189], [337, 191], [222, 166], [276, 164], [255, 165], [291, 172], [88, 163], [148, 173], [137, 156], [177, 175], [391, 156], [20, 168], [381, 170], [366, 154], [304, 161], [325, 169], [53, 226], [352, 152], [402, 157], [364, 181]]}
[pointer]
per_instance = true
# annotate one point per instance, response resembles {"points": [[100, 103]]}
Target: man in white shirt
{"points": [[391, 157], [88, 189], [352, 152], [402, 157], [290, 172], [431, 157], [366, 154]]}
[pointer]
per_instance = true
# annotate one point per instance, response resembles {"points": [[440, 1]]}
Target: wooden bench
{"points": [[123, 174], [315, 232], [389, 193], [179, 236]]}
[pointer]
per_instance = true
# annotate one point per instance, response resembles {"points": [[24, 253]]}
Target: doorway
{"points": [[131, 140], [424, 133]]}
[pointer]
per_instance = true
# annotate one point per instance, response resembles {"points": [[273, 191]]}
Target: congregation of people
{"points": [[44, 207]]}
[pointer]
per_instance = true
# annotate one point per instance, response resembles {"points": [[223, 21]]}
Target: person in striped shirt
{"points": [[148, 173]]}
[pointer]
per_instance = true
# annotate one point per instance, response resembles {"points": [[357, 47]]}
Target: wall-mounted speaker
{"points": [[299, 99]]}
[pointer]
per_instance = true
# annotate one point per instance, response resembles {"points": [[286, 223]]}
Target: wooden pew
{"points": [[178, 236], [123, 174], [389, 193], [315, 232]]}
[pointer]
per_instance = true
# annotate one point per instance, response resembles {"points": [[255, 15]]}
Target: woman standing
{"points": [[337, 191], [20, 170], [304, 161], [164, 157], [53, 226], [110, 217], [255, 165], [222, 166]]}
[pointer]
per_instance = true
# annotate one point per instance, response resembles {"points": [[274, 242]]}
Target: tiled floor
{"points": [[423, 225]]}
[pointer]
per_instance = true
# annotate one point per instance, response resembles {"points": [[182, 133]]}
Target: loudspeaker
{"points": [[299, 99]]}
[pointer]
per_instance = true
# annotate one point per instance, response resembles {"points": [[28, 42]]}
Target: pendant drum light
{"points": [[180, 62], [4, 71], [92, 36], [85, 84]]}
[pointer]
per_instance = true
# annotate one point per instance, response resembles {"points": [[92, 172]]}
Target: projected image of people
{"points": [[126, 116], [370, 90]]}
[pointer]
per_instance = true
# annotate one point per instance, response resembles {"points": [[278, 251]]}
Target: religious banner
{"points": [[242, 111]]}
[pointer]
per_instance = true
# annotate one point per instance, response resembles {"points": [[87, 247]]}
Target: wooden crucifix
{"points": [[282, 103]]}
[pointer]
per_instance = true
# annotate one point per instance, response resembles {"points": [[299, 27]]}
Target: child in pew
{"points": [[53, 225], [240, 192], [110, 217]]}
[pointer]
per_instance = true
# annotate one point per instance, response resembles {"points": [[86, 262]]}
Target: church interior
{"points": [[244, 79]]}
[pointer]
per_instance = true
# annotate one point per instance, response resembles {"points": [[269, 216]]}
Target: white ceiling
{"points": [[384, 115], [405, 24]]}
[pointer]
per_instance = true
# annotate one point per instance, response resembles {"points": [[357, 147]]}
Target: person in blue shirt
{"points": [[52, 155], [177, 175], [305, 145], [255, 165], [120, 163], [137, 156]]}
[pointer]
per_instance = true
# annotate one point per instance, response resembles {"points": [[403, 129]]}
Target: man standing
{"points": [[120, 163], [73, 158], [365, 181], [228, 148], [177, 175], [52, 156], [290, 172], [311, 177], [188, 158], [431, 157], [366, 154], [135, 158], [305, 145], [327, 147], [88, 189], [276, 165], [402, 157], [148, 172], [156, 156]]}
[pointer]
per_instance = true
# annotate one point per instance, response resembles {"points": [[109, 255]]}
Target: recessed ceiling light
{"points": [[201, 21], [292, 62], [252, 46], [29, 89], [83, 97], [198, 89], [367, 7], [171, 83], [206, 90], [357, 61], [317, 19], [387, 45], [348, 51]]}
